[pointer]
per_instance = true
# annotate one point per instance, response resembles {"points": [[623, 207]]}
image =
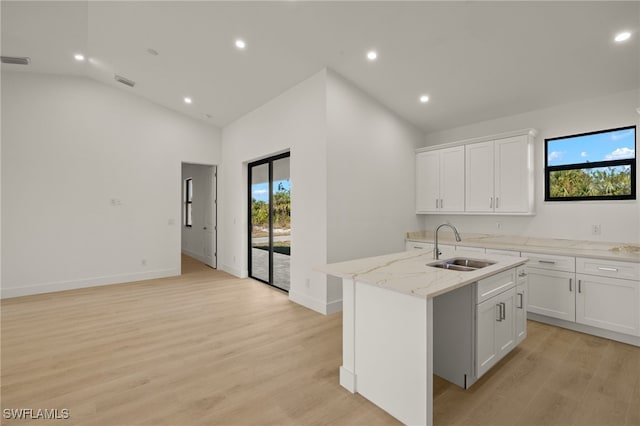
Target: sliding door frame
{"points": [[269, 161]]}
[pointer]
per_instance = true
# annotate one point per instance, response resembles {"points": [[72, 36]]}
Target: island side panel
{"points": [[393, 358], [347, 370]]}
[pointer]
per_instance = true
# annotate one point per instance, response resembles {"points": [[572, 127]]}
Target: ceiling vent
{"points": [[124, 81], [15, 60]]}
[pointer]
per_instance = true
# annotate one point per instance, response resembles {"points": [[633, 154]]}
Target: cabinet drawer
{"points": [[551, 262], [496, 284], [416, 245], [608, 268], [473, 249], [503, 252]]}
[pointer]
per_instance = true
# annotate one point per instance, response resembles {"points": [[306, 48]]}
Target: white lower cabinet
{"points": [[608, 303], [551, 293], [495, 325], [521, 304]]}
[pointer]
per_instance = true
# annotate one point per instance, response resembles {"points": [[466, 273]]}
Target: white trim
{"points": [[198, 256], [528, 132], [8, 292], [315, 304], [587, 329], [348, 379], [233, 271]]}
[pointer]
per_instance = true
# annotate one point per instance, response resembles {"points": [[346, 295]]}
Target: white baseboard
{"points": [[315, 304], [198, 256], [231, 270], [8, 292], [348, 379], [587, 329]]}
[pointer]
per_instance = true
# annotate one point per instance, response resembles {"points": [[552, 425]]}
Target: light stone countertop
{"points": [[624, 252], [408, 273]]}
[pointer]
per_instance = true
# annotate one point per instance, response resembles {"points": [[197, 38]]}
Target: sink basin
{"points": [[461, 264]]}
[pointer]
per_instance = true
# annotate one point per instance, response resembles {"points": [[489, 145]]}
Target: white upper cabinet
{"points": [[496, 176], [440, 181]]}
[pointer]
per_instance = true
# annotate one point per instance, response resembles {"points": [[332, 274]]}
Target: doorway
{"points": [[199, 213], [270, 221]]}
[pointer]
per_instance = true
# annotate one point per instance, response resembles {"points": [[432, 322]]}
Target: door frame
{"points": [[267, 160], [214, 212]]}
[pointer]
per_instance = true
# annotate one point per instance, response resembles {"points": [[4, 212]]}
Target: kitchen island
{"points": [[388, 324]]}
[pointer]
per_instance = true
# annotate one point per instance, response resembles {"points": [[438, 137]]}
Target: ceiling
{"points": [[475, 60]]}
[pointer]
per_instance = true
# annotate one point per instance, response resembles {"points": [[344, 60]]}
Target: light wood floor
{"points": [[208, 348]]}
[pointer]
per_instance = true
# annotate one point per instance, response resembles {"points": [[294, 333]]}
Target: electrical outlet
{"points": [[595, 229]]}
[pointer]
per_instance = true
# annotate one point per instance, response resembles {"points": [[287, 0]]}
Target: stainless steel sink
{"points": [[461, 264]]}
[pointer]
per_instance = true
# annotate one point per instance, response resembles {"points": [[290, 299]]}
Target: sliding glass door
{"points": [[270, 221]]}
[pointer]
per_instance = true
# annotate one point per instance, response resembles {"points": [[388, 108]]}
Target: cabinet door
{"points": [[479, 177], [608, 303], [452, 179], [551, 293], [487, 314], [427, 181], [521, 306], [512, 170], [505, 328]]}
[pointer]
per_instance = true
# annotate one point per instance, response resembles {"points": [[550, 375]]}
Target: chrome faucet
{"points": [[436, 251]]}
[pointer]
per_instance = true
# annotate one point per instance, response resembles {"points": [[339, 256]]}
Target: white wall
{"points": [[295, 121], [371, 176], [69, 147], [620, 220], [193, 237]]}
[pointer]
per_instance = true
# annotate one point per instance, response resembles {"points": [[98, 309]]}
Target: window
{"points": [[188, 202], [591, 166]]}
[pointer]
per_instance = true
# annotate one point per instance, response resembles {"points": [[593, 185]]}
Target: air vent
{"points": [[125, 81], [15, 60]]}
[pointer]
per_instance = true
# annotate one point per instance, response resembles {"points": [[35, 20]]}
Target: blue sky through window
{"points": [[613, 145], [260, 191]]}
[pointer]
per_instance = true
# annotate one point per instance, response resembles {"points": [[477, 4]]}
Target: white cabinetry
{"points": [[521, 304], [440, 181], [499, 176], [608, 296], [551, 285], [495, 319]]}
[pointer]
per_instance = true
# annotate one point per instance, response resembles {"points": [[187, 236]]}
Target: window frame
{"points": [[188, 202], [631, 162]]}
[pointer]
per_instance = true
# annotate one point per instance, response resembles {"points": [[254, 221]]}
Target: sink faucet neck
{"points": [[436, 251]]}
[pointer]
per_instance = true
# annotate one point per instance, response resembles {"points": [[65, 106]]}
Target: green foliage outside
{"points": [[605, 181], [281, 210]]}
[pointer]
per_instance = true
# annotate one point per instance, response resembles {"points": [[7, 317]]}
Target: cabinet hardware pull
{"points": [[522, 274], [417, 247], [497, 202], [441, 203], [602, 268], [521, 300], [504, 310], [570, 281], [490, 202], [436, 203], [499, 306], [579, 286], [550, 262]]}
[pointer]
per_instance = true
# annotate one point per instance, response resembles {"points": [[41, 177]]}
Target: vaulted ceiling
{"points": [[475, 60]]}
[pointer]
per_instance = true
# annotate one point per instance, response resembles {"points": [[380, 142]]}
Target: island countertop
{"points": [[408, 272]]}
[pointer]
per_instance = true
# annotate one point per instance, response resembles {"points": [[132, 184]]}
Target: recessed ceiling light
{"points": [[240, 44], [372, 55], [187, 100], [424, 99], [623, 36], [79, 57]]}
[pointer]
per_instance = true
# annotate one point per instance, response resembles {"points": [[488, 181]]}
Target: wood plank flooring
{"points": [[206, 348]]}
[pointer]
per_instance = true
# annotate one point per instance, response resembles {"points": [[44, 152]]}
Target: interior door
{"points": [[209, 228]]}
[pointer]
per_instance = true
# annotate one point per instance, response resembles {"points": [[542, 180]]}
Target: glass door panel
{"points": [[260, 229], [270, 221]]}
